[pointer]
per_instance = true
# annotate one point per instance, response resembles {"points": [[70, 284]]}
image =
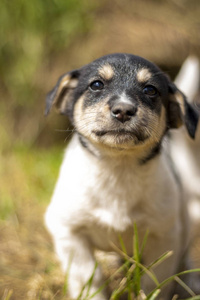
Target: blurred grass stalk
{"points": [[7, 294]]}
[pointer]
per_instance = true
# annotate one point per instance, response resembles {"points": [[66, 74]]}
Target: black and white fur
{"points": [[116, 171]]}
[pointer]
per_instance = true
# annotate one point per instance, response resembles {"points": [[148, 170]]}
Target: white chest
{"points": [[114, 194]]}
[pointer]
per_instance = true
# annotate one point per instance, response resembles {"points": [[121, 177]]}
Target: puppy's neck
{"points": [[140, 156]]}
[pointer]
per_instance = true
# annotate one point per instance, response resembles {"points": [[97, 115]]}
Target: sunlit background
{"points": [[39, 41]]}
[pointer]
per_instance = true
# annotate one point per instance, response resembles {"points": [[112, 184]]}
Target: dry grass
{"points": [[28, 266]]}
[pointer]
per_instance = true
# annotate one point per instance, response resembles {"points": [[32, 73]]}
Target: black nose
{"points": [[123, 111]]}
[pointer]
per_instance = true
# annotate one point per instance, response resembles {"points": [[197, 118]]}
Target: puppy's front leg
{"points": [[76, 256]]}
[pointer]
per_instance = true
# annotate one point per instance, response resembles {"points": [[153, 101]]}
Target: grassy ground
{"points": [[28, 269]]}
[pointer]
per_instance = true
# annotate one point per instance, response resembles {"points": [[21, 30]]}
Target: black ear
{"points": [[61, 94], [181, 112]]}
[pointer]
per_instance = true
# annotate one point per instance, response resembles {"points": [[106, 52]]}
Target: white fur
{"points": [[124, 99], [95, 200], [184, 151], [188, 77]]}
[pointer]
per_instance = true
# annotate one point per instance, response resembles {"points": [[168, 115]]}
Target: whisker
{"points": [[63, 130]]}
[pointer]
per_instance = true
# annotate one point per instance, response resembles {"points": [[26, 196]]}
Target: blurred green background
{"points": [[39, 41]]}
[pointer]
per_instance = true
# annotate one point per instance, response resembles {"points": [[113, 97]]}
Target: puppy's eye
{"points": [[97, 85], [150, 91]]}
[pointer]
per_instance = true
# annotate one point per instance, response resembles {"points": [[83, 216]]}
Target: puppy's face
{"points": [[122, 101]]}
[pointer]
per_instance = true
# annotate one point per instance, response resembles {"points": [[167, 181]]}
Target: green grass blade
{"points": [[187, 288], [155, 294], [136, 245], [137, 273], [122, 244], [197, 297], [130, 293], [81, 293], [168, 280], [89, 283], [7, 294], [118, 292], [99, 289], [65, 287], [121, 268], [160, 259]]}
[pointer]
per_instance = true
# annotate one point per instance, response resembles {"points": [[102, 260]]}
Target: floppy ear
{"points": [[181, 112], [61, 94]]}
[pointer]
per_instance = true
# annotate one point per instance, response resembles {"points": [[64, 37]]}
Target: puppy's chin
{"points": [[120, 139]]}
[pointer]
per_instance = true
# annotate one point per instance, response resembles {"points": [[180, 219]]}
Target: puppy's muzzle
{"points": [[123, 112]]}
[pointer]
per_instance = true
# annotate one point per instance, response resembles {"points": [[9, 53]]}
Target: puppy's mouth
{"points": [[122, 135]]}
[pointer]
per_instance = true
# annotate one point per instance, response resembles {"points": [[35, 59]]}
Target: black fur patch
{"points": [[152, 153], [86, 144]]}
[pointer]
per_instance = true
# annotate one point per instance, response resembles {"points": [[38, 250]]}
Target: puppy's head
{"points": [[122, 101]]}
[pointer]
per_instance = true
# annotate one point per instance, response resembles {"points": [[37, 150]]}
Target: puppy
{"points": [[115, 171]]}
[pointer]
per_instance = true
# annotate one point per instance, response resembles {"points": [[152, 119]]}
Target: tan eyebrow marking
{"points": [[143, 75], [106, 71]]}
